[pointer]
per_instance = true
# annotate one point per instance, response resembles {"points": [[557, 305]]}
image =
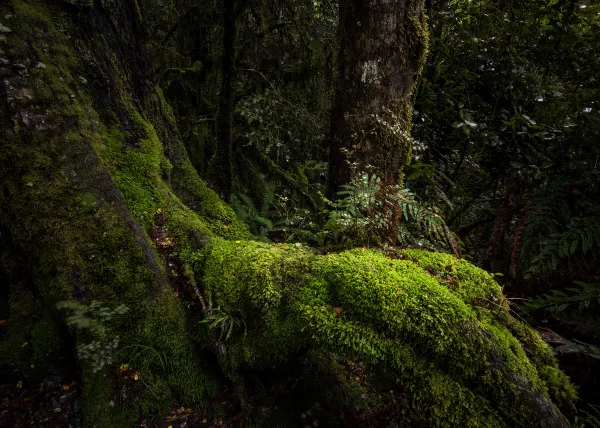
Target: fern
{"points": [[576, 306], [588, 419], [432, 224], [368, 211], [95, 343], [561, 231], [582, 296], [246, 210], [225, 323]]}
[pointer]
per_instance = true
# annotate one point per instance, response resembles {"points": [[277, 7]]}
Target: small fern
{"points": [[96, 344], [246, 211], [369, 212], [588, 419], [560, 232], [583, 296], [225, 323]]}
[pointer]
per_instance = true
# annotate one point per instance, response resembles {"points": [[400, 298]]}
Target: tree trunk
{"points": [[383, 45], [95, 183], [494, 259], [100, 203], [220, 170]]}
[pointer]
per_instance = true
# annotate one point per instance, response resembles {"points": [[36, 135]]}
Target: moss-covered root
{"points": [[433, 339], [84, 175]]}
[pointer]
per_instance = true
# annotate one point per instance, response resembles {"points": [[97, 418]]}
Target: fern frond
{"points": [[582, 295], [561, 230]]}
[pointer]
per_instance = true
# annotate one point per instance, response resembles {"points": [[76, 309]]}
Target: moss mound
{"points": [[446, 343]]}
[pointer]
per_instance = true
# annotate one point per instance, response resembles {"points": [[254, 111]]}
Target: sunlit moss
{"points": [[457, 362]]}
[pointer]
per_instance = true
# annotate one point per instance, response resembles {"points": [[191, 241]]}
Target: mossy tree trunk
{"points": [[97, 195], [383, 45], [100, 202]]}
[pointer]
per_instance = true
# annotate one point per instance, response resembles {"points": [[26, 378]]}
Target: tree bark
{"points": [[383, 45], [220, 170], [95, 183]]}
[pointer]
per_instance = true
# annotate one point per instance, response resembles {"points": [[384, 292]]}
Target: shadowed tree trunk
{"points": [[100, 203], [383, 45], [220, 170]]}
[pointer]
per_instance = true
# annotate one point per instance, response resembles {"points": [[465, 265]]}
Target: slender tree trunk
{"points": [[220, 171], [383, 45], [494, 258]]}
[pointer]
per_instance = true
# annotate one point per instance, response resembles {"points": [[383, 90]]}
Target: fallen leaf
{"points": [[58, 410], [20, 384], [136, 377], [453, 282], [124, 367], [24, 344], [66, 387]]}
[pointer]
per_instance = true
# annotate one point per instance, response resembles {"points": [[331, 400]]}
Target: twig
{"points": [[146, 385]]}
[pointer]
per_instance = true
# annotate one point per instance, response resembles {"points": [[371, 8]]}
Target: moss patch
{"points": [[458, 363]]}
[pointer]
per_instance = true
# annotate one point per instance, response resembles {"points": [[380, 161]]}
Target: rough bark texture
{"points": [[383, 45], [100, 202], [95, 181]]}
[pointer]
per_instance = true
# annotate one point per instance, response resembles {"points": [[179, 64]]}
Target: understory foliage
{"points": [[562, 230], [506, 146], [368, 212], [578, 306], [589, 418], [90, 323], [365, 212]]}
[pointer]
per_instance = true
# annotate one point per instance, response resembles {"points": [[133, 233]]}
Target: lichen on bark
{"points": [[383, 47]]}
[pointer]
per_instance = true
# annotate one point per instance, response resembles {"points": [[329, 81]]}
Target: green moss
{"points": [[466, 280], [185, 181], [560, 388], [458, 363], [183, 372]]}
